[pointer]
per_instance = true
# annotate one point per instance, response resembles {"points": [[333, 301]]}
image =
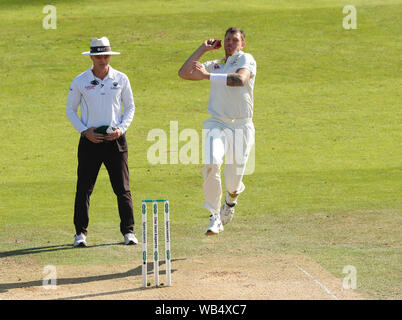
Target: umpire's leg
{"points": [[89, 163], [116, 163]]}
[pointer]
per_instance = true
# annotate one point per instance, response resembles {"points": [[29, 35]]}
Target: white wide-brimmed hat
{"points": [[100, 47]]}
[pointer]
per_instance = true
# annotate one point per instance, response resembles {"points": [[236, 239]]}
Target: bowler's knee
{"points": [[211, 170]]}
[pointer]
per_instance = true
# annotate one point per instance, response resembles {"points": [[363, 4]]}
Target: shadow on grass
{"points": [[134, 272], [80, 280], [60, 247]]}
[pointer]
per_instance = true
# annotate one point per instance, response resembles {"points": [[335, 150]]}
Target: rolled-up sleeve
{"points": [[208, 65], [247, 61], [73, 101], [129, 106]]}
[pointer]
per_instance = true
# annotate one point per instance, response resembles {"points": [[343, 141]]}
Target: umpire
{"points": [[102, 92]]}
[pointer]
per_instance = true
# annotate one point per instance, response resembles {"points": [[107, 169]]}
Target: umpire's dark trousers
{"points": [[114, 155]]}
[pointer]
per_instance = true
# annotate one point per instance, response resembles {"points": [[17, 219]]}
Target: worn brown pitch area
{"points": [[273, 276]]}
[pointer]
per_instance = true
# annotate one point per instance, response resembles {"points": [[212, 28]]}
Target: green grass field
{"points": [[328, 167]]}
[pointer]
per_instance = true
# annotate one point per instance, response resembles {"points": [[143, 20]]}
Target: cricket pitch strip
{"points": [[269, 277]]}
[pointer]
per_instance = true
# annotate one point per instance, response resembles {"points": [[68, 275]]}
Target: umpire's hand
{"points": [[92, 136], [113, 135]]}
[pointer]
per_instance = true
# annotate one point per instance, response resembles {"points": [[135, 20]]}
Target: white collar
{"points": [[234, 55], [111, 74], [237, 53]]}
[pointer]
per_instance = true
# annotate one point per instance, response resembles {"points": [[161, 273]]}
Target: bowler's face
{"points": [[233, 43], [101, 61]]}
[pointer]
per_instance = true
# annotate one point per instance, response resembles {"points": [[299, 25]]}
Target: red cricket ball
{"points": [[216, 43]]}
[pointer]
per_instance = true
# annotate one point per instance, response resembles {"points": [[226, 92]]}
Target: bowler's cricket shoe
{"points": [[130, 239], [80, 240], [227, 213], [215, 225]]}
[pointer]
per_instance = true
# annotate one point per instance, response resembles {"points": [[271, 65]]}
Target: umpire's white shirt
{"points": [[232, 102], [101, 101]]}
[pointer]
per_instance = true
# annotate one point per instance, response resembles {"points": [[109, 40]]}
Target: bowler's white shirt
{"points": [[102, 103], [232, 102]]}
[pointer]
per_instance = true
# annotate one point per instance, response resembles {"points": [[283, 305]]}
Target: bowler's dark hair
{"points": [[232, 30]]}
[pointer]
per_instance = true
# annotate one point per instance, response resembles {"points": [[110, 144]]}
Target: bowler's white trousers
{"points": [[231, 140]]}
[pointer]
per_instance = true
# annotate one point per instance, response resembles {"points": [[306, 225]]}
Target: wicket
{"points": [[155, 241]]}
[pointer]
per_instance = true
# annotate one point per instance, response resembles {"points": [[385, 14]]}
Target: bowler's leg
{"points": [[214, 151], [236, 161]]}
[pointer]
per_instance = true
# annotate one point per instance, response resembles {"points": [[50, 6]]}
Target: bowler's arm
{"points": [[239, 78], [186, 70]]}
